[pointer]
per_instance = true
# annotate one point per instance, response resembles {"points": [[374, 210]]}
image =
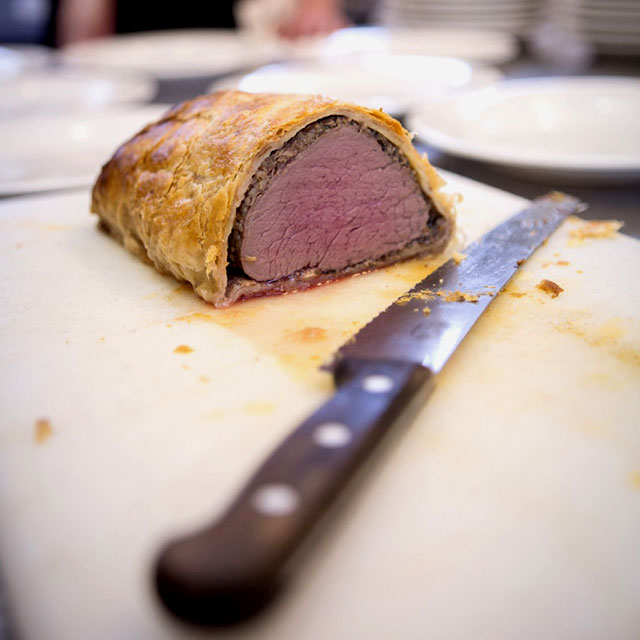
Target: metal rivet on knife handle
{"points": [[332, 434], [377, 383], [275, 500]]}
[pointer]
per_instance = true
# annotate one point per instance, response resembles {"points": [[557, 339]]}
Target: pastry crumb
{"points": [[596, 229], [308, 334], [43, 430], [458, 296], [183, 348], [459, 257], [447, 296], [418, 295], [550, 287], [426, 311]]}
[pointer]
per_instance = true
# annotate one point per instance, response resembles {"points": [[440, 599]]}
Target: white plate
{"points": [[17, 58], [471, 44], [64, 151], [575, 125], [376, 80], [178, 54], [60, 89]]}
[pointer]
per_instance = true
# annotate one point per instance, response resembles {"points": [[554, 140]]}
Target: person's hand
{"points": [[313, 17]]}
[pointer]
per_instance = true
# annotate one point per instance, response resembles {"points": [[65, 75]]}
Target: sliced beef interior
{"points": [[336, 195]]}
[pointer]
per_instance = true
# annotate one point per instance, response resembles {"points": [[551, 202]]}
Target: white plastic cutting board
{"points": [[510, 508]]}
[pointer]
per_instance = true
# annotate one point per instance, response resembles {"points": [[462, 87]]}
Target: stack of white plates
{"points": [[512, 16], [610, 26]]}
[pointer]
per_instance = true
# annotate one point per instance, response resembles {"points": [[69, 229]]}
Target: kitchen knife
{"points": [[232, 568]]}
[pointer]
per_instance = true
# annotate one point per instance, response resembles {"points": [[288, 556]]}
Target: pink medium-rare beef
{"points": [[338, 197]]}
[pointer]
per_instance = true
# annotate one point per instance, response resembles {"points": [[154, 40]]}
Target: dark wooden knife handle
{"points": [[230, 569]]}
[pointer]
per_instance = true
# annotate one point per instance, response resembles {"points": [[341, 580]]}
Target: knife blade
{"points": [[229, 570]]}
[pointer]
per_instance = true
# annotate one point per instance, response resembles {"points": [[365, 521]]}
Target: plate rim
{"points": [[480, 152]]}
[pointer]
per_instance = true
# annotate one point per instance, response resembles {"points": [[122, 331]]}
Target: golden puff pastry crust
{"points": [[170, 193]]}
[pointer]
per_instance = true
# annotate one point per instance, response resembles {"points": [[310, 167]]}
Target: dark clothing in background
{"points": [[28, 22], [150, 15]]}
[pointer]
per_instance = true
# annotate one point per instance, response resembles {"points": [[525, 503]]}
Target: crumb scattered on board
{"points": [[308, 334], [448, 296], [458, 257], [418, 295], [183, 348], [458, 296], [559, 263], [43, 430], [550, 287], [595, 229]]}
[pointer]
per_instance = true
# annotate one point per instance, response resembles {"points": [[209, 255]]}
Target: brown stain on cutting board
{"points": [[180, 291], [259, 408], [307, 334], [183, 348], [601, 380], [302, 330], [42, 430], [297, 345], [607, 336], [583, 230], [559, 263]]}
